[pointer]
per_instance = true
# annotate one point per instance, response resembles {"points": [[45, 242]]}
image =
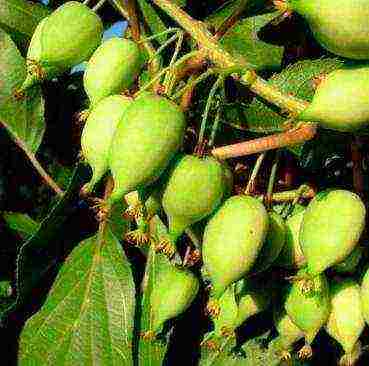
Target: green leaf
{"points": [[151, 352], [22, 223], [253, 7], [89, 313], [297, 79], [242, 41], [20, 17], [37, 255], [23, 119]]}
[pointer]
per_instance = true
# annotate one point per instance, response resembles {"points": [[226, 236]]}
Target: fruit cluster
{"points": [[139, 139]]}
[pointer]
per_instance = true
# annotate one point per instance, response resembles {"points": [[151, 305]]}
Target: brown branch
{"points": [[133, 19], [304, 133]]}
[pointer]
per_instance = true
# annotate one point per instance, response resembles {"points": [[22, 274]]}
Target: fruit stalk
{"points": [[304, 133], [133, 20], [221, 58]]}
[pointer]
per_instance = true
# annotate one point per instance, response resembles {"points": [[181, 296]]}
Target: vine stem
{"points": [[251, 183], [221, 58], [304, 191], [298, 135], [32, 158]]}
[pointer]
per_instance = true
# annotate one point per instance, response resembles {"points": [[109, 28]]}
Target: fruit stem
{"points": [[272, 178], [216, 123], [221, 58], [196, 81], [98, 5], [252, 180], [209, 101], [304, 132]]}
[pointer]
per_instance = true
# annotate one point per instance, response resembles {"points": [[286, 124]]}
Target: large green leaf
{"points": [[242, 41], [24, 119], [151, 352], [38, 253], [88, 316], [20, 17]]}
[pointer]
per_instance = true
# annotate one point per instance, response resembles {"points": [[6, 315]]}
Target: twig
{"points": [[221, 58], [304, 133], [251, 183], [215, 126], [133, 19], [32, 158]]}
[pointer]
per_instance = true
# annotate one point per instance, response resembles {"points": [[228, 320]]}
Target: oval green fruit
{"points": [[112, 68], [196, 187], [147, 138], [364, 295], [173, 292], [349, 264], [348, 91], [64, 39], [98, 134], [309, 311], [291, 255], [252, 298], [331, 228], [273, 244], [288, 332], [346, 322], [232, 240], [340, 26]]}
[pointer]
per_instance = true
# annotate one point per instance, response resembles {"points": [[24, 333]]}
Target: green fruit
{"points": [[232, 240], [112, 69], [196, 187], [340, 26], [291, 255], [273, 244], [348, 91], [364, 296], [173, 292], [98, 134], [345, 322], [288, 332], [224, 324], [252, 298], [64, 39], [147, 138], [331, 228], [309, 311], [349, 264]]}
